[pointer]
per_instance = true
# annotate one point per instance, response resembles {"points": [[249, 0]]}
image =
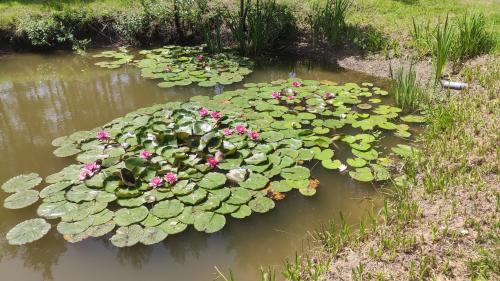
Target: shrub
{"points": [[60, 28], [41, 31]]}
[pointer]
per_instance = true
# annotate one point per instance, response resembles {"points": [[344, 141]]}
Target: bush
{"points": [[41, 31], [60, 28]]}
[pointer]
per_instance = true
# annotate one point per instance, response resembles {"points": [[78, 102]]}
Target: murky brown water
{"points": [[46, 96]]}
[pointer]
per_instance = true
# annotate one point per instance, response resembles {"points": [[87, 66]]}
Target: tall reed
{"points": [[261, 25], [328, 20], [472, 39], [405, 91], [421, 38], [444, 37]]}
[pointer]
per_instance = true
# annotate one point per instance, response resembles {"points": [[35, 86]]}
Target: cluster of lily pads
{"points": [[182, 66], [157, 170]]}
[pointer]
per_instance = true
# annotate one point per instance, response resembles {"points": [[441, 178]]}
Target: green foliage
{"points": [[421, 38], [405, 90], [369, 39], [443, 46], [466, 38], [328, 20], [472, 38], [261, 25]]}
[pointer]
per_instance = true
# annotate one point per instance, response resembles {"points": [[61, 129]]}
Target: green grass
{"points": [[395, 17], [10, 10]]}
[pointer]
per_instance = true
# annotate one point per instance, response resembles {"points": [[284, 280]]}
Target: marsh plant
{"points": [[444, 36], [472, 38], [455, 42], [405, 90], [327, 19], [260, 25], [421, 38]]}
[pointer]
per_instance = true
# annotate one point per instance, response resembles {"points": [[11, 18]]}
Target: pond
{"points": [[46, 96]]}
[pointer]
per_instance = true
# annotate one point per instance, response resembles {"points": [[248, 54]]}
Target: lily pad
{"points": [[28, 231], [167, 209], [362, 174], [296, 173], [261, 204], [255, 182], [153, 235], [21, 183], [127, 236], [21, 199], [125, 216], [209, 222], [212, 180]]}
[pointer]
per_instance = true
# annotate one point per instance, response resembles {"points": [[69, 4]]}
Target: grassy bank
{"points": [[365, 25]]}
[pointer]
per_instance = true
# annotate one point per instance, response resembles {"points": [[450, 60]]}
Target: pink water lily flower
{"points": [[170, 178], [102, 135], [215, 115], [254, 135], [227, 132], [144, 154], [92, 167], [296, 84], [276, 95], [212, 162], [290, 97], [155, 182], [200, 58], [89, 170], [203, 112], [240, 129], [84, 174], [329, 95]]}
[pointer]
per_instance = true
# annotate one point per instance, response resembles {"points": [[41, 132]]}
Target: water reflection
{"points": [[46, 96]]}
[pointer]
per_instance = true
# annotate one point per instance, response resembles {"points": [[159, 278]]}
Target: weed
{"points": [[472, 37], [260, 25], [328, 20], [444, 37], [405, 90], [421, 38]]}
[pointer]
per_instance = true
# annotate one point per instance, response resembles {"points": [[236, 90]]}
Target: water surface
{"points": [[46, 96]]}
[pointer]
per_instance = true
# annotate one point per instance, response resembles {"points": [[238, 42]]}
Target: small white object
{"points": [[454, 85], [342, 167]]}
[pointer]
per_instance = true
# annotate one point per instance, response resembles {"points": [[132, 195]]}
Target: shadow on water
{"points": [[46, 96]]}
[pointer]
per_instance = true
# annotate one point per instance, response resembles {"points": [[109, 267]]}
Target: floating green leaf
{"points": [[261, 204], [28, 231], [21, 199], [209, 222], [127, 236], [21, 183]]}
